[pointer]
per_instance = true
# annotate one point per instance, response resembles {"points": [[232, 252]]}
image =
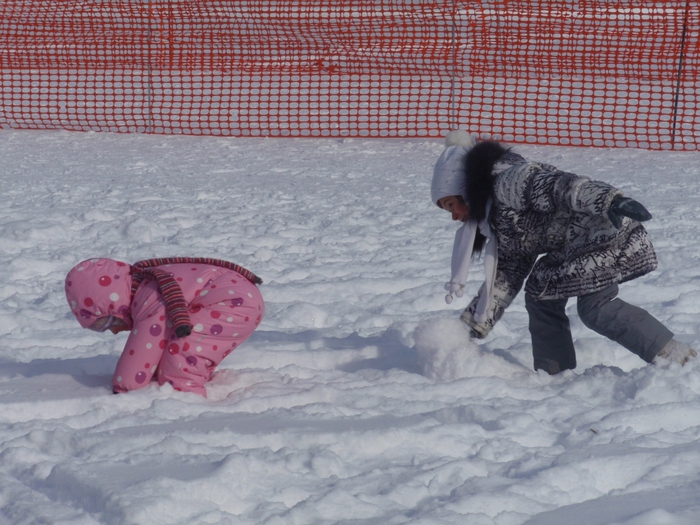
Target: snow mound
{"points": [[447, 353]]}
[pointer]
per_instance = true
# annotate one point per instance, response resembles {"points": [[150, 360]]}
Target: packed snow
{"points": [[360, 399]]}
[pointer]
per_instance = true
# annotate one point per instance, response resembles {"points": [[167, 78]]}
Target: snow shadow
{"points": [[659, 506], [67, 378], [386, 351]]}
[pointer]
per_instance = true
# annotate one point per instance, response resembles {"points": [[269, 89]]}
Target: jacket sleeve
{"points": [[509, 281], [146, 342], [545, 189]]}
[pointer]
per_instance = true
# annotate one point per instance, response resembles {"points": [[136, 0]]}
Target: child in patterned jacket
{"points": [[558, 234], [185, 315]]}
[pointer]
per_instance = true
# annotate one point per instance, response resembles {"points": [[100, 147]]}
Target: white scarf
{"points": [[461, 258]]}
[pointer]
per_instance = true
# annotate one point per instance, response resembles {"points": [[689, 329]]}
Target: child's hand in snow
{"points": [[478, 330]]}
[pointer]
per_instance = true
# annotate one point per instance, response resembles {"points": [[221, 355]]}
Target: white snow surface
{"points": [[360, 399]]}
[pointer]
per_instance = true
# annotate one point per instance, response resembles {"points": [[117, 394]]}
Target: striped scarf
{"points": [[174, 299]]}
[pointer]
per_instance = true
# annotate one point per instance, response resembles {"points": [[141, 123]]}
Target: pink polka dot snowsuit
{"points": [[224, 309]]}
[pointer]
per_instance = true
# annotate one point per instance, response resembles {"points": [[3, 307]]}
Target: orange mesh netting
{"points": [[588, 72]]}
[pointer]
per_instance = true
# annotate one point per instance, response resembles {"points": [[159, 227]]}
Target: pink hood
{"points": [[99, 287]]}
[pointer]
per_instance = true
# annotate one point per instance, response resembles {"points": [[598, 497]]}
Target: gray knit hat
{"points": [[449, 177]]}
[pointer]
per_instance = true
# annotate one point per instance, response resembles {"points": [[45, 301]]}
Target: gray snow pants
{"points": [[632, 327]]}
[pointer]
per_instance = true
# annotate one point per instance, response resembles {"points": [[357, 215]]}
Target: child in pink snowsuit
{"points": [[185, 315]]}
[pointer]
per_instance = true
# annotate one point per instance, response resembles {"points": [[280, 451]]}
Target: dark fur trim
{"points": [[479, 164], [479, 243]]}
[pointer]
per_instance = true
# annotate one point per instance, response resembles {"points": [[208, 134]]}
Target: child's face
{"points": [[108, 322], [118, 326], [456, 206]]}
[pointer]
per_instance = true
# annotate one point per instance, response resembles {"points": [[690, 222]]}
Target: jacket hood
{"points": [[99, 287]]}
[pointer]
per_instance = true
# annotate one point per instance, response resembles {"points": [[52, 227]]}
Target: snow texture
{"points": [[360, 399]]}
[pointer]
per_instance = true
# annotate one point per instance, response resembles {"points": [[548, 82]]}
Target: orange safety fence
{"points": [[571, 72]]}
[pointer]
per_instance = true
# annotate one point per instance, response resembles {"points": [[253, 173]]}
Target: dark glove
{"points": [[183, 330], [626, 207]]}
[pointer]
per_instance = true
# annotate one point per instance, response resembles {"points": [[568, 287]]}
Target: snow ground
{"points": [[360, 399]]}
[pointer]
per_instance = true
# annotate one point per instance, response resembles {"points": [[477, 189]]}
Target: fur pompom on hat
{"points": [[449, 172]]}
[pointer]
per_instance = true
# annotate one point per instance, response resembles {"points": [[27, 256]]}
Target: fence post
{"points": [[679, 77], [149, 101], [453, 117]]}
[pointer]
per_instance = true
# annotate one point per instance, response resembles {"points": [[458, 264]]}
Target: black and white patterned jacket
{"points": [[539, 210]]}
